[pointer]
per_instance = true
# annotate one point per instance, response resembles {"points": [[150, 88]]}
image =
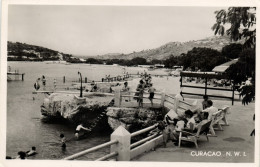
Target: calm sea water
{"points": [[24, 126]]}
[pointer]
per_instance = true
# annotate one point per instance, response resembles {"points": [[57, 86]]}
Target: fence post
{"points": [[117, 98], [123, 146], [162, 98]]}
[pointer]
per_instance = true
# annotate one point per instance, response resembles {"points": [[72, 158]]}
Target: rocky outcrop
{"points": [[132, 119], [76, 110]]}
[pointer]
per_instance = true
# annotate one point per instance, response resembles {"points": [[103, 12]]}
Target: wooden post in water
{"points": [[123, 146], [86, 79], [64, 79], [22, 76]]}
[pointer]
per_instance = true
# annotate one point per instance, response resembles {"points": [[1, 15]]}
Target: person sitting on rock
{"points": [[79, 127]]}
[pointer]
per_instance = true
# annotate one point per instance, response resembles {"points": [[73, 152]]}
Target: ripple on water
{"points": [[234, 139]]}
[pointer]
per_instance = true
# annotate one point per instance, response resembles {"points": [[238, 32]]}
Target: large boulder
{"points": [[76, 109], [132, 119]]}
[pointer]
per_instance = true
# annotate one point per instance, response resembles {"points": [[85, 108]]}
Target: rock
{"points": [[132, 119], [76, 109]]}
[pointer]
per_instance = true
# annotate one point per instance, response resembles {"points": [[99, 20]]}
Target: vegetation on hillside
{"points": [[17, 51]]}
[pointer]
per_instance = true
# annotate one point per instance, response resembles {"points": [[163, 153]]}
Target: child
{"points": [[151, 90], [63, 141]]}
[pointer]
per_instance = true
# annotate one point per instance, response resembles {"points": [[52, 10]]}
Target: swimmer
{"points": [[79, 127], [21, 155], [63, 141], [31, 152]]}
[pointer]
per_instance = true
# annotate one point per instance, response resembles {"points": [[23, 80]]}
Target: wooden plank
{"points": [[203, 75], [207, 95]]}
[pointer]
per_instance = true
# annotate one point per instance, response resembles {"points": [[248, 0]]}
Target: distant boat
{"points": [[159, 65]]}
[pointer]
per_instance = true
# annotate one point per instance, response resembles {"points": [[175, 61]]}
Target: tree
{"points": [[232, 51], [241, 71], [204, 59], [139, 61], [242, 24]]}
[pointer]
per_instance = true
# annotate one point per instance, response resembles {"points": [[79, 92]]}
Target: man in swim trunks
{"points": [[151, 90], [79, 127]]}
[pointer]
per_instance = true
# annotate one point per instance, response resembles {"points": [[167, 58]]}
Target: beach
{"points": [[29, 130]]}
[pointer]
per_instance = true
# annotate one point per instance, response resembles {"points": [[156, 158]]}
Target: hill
{"points": [[173, 48], [25, 52]]}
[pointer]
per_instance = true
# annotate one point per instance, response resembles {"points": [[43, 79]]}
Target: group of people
{"points": [[144, 84], [63, 140], [171, 126], [79, 128]]}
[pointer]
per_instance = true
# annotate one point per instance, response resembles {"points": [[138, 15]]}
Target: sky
{"points": [[98, 30]]}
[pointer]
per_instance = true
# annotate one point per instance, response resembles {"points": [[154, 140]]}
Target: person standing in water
{"points": [[37, 84], [54, 83], [63, 141], [43, 82]]}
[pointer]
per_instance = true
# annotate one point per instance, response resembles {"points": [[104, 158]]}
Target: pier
{"points": [[16, 74]]}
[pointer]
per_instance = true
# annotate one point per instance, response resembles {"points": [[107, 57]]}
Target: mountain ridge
{"points": [[173, 48]]}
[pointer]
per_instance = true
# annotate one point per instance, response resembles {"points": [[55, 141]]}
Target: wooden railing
{"points": [[165, 100]]}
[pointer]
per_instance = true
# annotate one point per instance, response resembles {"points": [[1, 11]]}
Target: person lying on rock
{"points": [[79, 127]]}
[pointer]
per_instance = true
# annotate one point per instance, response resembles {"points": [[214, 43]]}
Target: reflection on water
{"points": [[24, 126]]}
